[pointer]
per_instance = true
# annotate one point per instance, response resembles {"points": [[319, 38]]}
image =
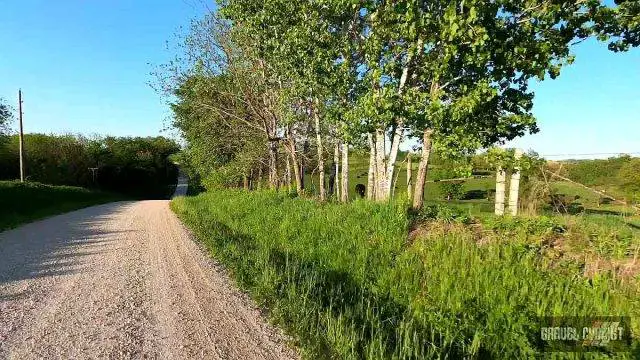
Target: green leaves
{"points": [[458, 68]]}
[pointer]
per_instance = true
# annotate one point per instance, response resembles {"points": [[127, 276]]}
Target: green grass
{"points": [[25, 202], [347, 282], [359, 166]]}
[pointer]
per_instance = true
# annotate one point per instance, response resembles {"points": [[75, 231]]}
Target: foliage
{"points": [[524, 226], [6, 116], [619, 175], [350, 288], [264, 71], [620, 24], [564, 204], [594, 172], [441, 212], [451, 190], [24, 202], [134, 166], [629, 179]]}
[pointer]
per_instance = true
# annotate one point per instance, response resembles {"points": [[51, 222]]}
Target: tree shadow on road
{"points": [[56, 246]]}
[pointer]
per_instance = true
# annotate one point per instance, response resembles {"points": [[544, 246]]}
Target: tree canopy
{"points": [[6, 116], [261, 77]]}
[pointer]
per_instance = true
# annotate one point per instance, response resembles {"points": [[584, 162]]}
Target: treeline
{"points": [[271, 91], [135, 166], [622, 173]]}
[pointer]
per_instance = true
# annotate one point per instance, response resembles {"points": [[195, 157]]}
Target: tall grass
{"points": [[348, 284]]}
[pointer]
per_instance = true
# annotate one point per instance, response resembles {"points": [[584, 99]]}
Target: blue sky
{"points": [[84, 67]]}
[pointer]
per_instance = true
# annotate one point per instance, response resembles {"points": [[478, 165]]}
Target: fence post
{"points": [[501, 177], [514, 186], [409, 177]]}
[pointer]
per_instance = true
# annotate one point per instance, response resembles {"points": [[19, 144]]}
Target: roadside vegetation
{"points": [[348, 250], [26, 202], [372, 281], [136, 167], [67, 172]]}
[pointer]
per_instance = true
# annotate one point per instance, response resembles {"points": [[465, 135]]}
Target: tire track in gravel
{"points": [[123, 281]]}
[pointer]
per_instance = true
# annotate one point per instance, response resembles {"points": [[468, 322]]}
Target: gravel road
{"points": [[122, 280]]}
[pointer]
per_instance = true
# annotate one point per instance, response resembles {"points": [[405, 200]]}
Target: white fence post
{"points": [[501, 178], [514, 186]]}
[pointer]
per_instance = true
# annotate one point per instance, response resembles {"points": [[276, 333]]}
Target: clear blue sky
{"points": [[84, 65], [84, 68]]}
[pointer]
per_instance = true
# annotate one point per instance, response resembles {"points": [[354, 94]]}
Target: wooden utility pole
{"points": [[514, 185], [21, 136]]}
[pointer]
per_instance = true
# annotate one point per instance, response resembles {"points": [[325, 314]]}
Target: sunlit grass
{"points": [[348, 283]]}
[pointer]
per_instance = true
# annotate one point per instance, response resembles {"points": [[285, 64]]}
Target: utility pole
{"points": [[21, 136]]}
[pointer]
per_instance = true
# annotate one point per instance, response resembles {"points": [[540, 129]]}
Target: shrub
{"points": [[629, 179], [133, 166], [451, 190], [442, 212], [564, 204]]}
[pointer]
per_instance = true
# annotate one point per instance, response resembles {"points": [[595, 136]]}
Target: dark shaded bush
{"points": [[564, 204], [475, 194], [137, 167]]}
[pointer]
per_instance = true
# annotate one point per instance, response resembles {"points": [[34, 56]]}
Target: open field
{"points": [[365, 280], [359, 164], [24, 202]]}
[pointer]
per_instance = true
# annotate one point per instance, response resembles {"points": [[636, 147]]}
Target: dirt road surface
{"points": [[119, 281]]}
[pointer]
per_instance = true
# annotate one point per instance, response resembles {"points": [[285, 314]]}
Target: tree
{"points": [[225, 104], [304, 74], [471, 90], [620, 25], [6, 116], [629, 179]]}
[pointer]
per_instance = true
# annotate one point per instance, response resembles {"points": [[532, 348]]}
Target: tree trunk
{"points": [[305, 151], [273, 164], [381, 176], [345, 173], [371, 176], [320, 155], [297, 175], [409, 175], [260, 177], [245, 182], [336, 174], [398, 130], [393, 155], [423, 167], [294, 163], [501, 177], [288, 173]]}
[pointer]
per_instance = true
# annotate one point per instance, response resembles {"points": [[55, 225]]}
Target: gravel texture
{"points": [[123, 280]]}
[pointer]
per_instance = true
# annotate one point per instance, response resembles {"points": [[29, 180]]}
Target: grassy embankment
{"points": [[24, 202], [361, 281]]}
